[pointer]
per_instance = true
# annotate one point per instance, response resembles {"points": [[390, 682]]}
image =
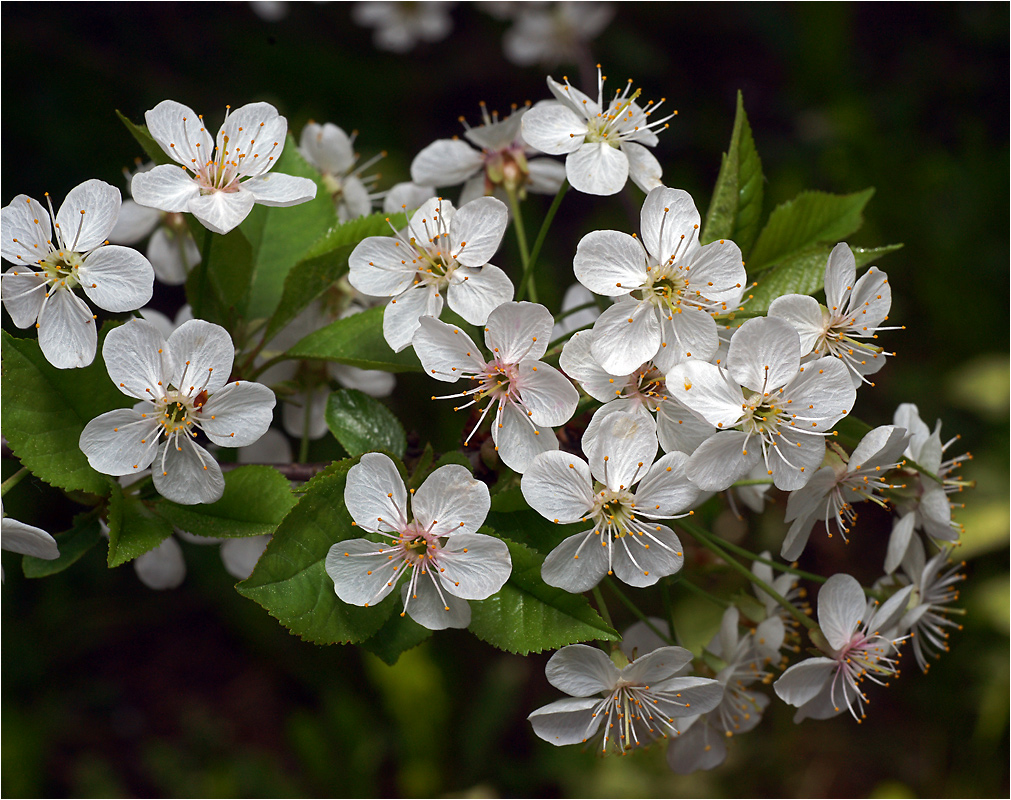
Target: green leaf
{"points": [[255, 500], [153, 150], [45, 410], [398, 634], [528, 616], [73, 544], [512, 517], [324, 263], [133, 527], [290, 579], [736, 206], [362, 424], [218, 287], [281, 236], [810, 218], [356, 340], [804, 274]]}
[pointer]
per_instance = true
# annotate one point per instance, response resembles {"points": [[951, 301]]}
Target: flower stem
{"points": [[635, 610], [521, 236], [710, 542], [197, 302], [602, 608], [303, 448], [266, 364], [13, 481], [528, 268], [698, 590], [668, 608]]}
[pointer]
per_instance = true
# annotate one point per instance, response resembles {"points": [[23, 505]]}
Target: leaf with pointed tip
{"points": [[358, 341], [362, 424], [133, 527]]}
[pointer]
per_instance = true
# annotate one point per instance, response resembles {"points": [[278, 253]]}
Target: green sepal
{"points": [[255, 500], [73, 544], [281, 236], [45, 409], [809, 219], [528, 616], [804, 274], [736, 207], [398, 634], [357, 341], [290, 579], [133, 527], [362, 424], [151, 148]]}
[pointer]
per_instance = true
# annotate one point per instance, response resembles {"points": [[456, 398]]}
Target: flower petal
{"points": [[451, 501], [841, 606], [166, 188], [610, 263], [23, 294], [88, 215], [134, 223], [240, 555], [619, 446], [364, 572], [474, 566], [597, 168], [476, 230], [120, 442], [187, 474], [237, 415], [567, 721], [138, 359], [659, 665], [553, 128], [666, 490], [581, 671], [840, 275], [445, 351], [764, 354], [19, 537], [643, 168], [477, 291], [327, 147], [668, 218], [26, 231], [280, 190], [577, 564], [802, 682], [648, 555], [254, 135], [518, 331], [172, 256], [578, 363], [375, 495], [721, 460], [432, 606], [558, 486], [181, 134], [163, 567], [804, 314], [548, 395], [117, 278], [445, 162], [518, 439], [626, 336], [381, 266], [202, 354], [67, 334], [219, 212], [402, 316]]}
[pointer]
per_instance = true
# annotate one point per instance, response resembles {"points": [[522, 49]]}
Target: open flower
{"points": [[549, 34], [858, 645], [635, 705], [604, 146], [443, 251], [528, 395], [448, 561], [40, 289], [328, 148], [667, 286], [399, 26], [221, 178], [625, 538], [781, 409], [183, 387]]}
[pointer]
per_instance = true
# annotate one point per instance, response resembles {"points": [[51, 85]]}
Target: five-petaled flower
{"points": [[448, 561], [635, 705], [220, 179], [529, 396], [182, 385], [40, 289]]}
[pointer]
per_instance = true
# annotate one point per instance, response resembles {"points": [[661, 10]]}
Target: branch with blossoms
{"points": [[697, 364]]}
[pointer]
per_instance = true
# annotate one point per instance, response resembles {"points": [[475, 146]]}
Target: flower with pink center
{"points": [[856, 637], [220, 179], [447, 560], [529, 396]]}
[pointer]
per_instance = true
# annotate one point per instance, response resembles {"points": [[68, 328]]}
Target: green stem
{"points": [[521, 236], [13, 481], [266, 365], [541, 236], [635, 610], [303, 448], [602, 608], [709, 542], [668, 608], [197, 303]]}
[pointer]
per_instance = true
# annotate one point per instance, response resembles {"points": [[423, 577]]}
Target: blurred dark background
{"points": [[110, 689]]}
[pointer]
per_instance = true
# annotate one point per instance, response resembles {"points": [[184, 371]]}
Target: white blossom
{"points": [[548, 34], [399, 26], [442, 252], [40, 289], [603, 145], [183, 387], [934, 591], [220, 179], [529, 396], [328, 148], [448, 562]]}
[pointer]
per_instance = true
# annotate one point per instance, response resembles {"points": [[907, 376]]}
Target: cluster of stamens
{"points": [[632, 718]]}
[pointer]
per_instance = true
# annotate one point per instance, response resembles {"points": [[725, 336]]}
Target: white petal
{"points": [[375, 495], [187, 474], [474, 566], [327, 147], [256, 131], [581, 671], [117, 278], [237, 415], [802, 682], [278, 189], [657, 665], [451, 501], [477, 291], [162, 568], [445, 162], [841, 606], [610, 263], [626, 336], [619, 447], [178, 130], [172, 256], [666, 490], [824, 391], [577, 564], [898, 542], [19, 537], [240, 555], [476, 230], [708, 391], [575, 296], [138, 359], [67, 332], [166, 188], [698, 748], [271, 448], [88, 215], [840, 274], [518, 439], [567, 721], [26, 231], [445, 351], [373, 382], [364, 572], [220, 212], [871, 299], [545, 176], [553, 129], [558, 486], [518, 331], [642, 559], [579, 364], [721, 460], [668, 218], [882, 446], [381, 266], [597, 168], [202, 354], [677, 429], [643, 168], [120, 442], [294, 413], [764, 354], [23, 295], [435, 608], [690, 334], [546, 393], [407, 196], [798, 535], [134, 223], [402, 315], [804, 314]]}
